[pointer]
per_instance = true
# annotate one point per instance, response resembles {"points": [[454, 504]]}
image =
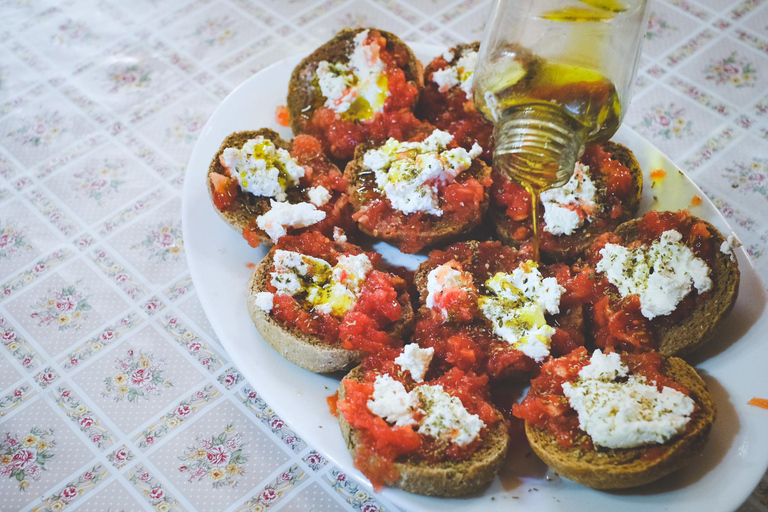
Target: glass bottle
{"points": [[554, 76]]}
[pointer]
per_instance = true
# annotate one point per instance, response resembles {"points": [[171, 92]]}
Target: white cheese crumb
{"points": [[318, 196], [331, 290], [283, 215], [443, 416], [442, 280], [408, 173], [264, 301], [415, 360], [625, 414], [446, 417], [342, 84], [517, 306], [339, 236], [392, 402], [661, 274], [566, 208], [461, 73], [729, 246], [262, 169]]}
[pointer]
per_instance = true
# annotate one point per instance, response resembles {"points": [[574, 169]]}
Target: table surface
{"points": [[111, 378]]}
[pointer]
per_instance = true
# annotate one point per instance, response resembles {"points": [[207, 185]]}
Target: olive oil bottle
{"points": [[554, 76]]}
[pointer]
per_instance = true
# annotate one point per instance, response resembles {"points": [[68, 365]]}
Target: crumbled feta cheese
{"points": [[517, 306], [446, 417], [262, 168], [442, 416], [360, 80], [729, 246], [283, 215], [625, 414], [351, 271], [604, 367], [661, 274], [415, 360], [566, 208], [331, 290], [408, 173], [264, 301], [339, 236], [392, 402], [441, 280], [318, 196], [460, 74]]}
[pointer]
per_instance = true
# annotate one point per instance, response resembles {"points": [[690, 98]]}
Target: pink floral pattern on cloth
{"points": [[24, 457], [218, 459], [139, 376], [66, 308], [100, 108]]}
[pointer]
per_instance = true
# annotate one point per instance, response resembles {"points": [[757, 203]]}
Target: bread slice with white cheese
{"points": [[263, 188], [567, 235], [683, 336], [446, 478], [306, 350], [417, 216], [618, 468]]}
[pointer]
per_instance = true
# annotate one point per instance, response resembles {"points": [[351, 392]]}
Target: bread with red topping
{"points": [[446, 478], [305, 96], [412, 232], [241, 209], [308, 350], [682, 336], [620, 468], [617, 198]]}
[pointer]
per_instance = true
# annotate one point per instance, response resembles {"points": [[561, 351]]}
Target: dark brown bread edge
{"points": [[574, 245], [246, 207], [695, 329], [301, 93], [441, 231], [444, 478], [622, 468], [304, 350]]}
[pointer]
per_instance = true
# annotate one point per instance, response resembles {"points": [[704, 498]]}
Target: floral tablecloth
{"points": [[114, 392]]}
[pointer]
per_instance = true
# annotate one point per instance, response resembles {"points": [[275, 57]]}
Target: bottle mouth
{"points": [[538, 144]]}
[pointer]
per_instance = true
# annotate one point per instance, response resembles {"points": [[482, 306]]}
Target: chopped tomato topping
{"points": [[282, 117], [224, 189]]}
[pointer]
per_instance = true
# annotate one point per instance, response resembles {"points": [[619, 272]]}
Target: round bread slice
{"points": [[630, 467], [440, 231], [685, 336], [246, 207], [573, 245], [443, 478], [304, 96], [300, 348]]}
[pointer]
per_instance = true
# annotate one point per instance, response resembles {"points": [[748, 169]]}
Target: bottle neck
{"points": [[537, 145]]}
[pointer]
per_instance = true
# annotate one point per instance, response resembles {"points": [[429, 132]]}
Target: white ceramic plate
{"points": [[733, 364]]}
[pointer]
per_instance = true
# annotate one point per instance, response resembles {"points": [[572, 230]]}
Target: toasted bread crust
{"points": [[246, 207], [441, 231], [303, 97], [302, 349], [695, 329], [444, 478], [622, 468], [572, 246]]}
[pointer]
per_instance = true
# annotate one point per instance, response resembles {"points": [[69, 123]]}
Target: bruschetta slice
{"points": [[611, 421], [323, 304], [418, 194], [426, 433], [488, 308], [603, 192], [362, 85], [265, 187]]}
